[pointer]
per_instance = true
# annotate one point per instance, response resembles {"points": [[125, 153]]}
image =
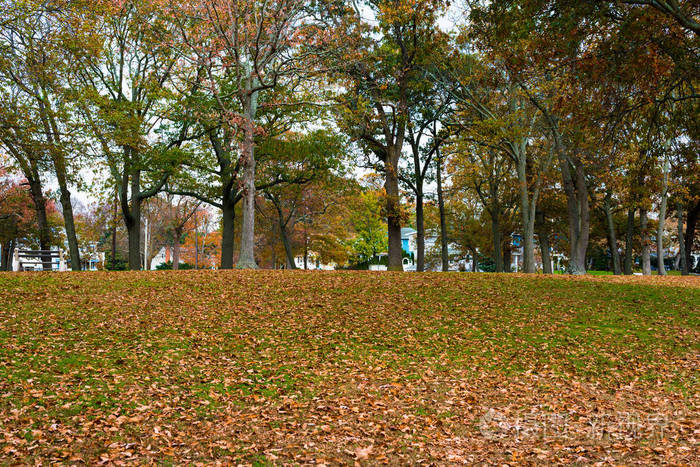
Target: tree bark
{"points": [[577, 207], [285, 238], [114, 231], [507, 258], [420, 234], [444, 252], [228, 212], [246, 255], [629, 252], [37, 195], [132, 216], [475, 266], [8, 250], [612, 236], [526, 213], [69, 224], [662, 221], [497, 236], [681, 243], [177, 234], [646, 257], [691, 224], [543, 237], [393, 207]]}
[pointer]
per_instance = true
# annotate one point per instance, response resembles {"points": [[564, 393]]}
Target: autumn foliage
{"points": [[309, 367]]}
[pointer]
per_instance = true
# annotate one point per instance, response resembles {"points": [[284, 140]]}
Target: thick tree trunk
{"points": [[287, 248], [681, 243], [246, 254], [420, 234], [444, 252], [527, 215], [285, 238], [37, 195], [543, 237], [578, 266], [475, 259], [133, 229], [497, 237], [8, 250], [646, 257], [69, 223], [228, 213], [393, 207], [691, 224], [629, 252], [612, 237], [577, 206], [132, 216]]}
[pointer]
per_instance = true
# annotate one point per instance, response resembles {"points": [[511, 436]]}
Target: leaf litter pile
{"points": [[267, 367]]}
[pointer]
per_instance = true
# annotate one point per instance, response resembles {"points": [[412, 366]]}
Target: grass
{"points": [[293, 367]]}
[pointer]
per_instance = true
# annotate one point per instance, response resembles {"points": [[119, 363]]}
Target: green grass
{"points": [[278, 367]]}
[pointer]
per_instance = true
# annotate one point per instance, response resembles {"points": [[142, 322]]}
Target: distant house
{"points": [[313, 263], [409, 240]]}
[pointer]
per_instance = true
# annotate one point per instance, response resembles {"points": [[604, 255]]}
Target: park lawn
{"points": [[268, 367]]}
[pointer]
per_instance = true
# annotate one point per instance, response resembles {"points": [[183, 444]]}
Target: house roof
{"points": [[407, 232]]}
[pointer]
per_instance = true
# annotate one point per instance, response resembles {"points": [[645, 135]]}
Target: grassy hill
{"points": [[274, 367]]}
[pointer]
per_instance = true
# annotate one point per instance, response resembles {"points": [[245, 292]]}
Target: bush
{"points": [[169, 266]]}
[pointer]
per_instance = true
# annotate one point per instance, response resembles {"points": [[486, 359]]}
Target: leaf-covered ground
{"points": [[273, 367]]}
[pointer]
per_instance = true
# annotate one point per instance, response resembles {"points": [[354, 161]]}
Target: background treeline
{"points": [[249, 133]]}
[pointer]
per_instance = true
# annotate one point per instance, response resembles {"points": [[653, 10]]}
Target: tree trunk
{"points": [[132, 218], [612, 236], [577, 206], [646, 259], [681, 243], [444, 252], [507, 258], [526, 215], [37, 195], [285, 238], [497, 236], [543, 237], [420, 234], [629, 232], [69, 223], [114, 231], [393, 207], [662, 221], [246, 254], [228, 212], [475, 266], [306, 251], [177, 233], [133, 229], [691, 223], [8, 250]]}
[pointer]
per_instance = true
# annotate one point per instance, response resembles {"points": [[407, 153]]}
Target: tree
{"points": [[248, 46], [123, 89], [33, 71], [381, 67], [370, 229]]}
